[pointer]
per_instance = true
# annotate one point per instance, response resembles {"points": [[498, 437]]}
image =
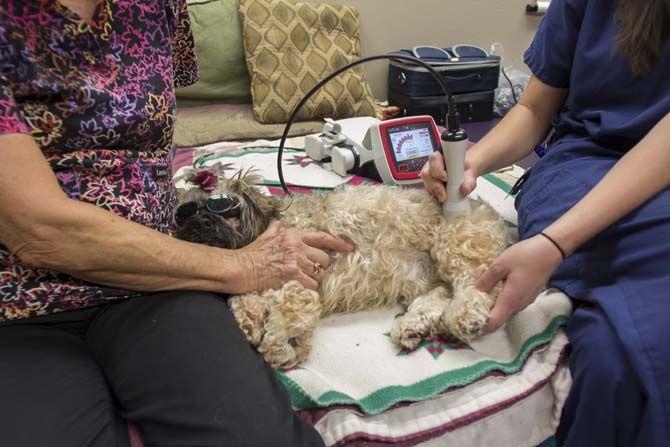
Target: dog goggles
{"points": [[222, 205]]}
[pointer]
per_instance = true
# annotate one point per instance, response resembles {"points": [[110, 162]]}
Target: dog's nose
{"points": [[184, 212]]}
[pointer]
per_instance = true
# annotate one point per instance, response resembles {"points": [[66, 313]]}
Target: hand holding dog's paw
{"points": [[524, 269], [284, 254]]}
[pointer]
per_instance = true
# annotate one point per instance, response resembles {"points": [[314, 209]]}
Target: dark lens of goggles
{"points": [[469, 51], [185, 211], [223, 205]]}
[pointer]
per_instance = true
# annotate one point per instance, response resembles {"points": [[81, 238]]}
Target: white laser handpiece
{"points": [[454, 146]]}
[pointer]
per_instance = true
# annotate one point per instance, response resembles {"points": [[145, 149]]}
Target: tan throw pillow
{"points": [[290, 47]]}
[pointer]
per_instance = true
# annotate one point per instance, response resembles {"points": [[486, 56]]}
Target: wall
{"points": [[388, 25]]}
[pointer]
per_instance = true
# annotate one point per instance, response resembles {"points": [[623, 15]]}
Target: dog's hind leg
{"points": [[462, 250], [423, 320]]}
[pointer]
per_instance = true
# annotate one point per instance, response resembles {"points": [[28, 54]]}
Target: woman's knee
{"points": [[179, 314], [180, 306], [606, 398], [597, 358], [54, 392]]}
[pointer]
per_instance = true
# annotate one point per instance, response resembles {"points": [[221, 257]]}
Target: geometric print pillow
{"points": [[289, 47]]}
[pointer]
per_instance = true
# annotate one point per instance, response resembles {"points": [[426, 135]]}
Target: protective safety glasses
{"points": [[446, 54], [222, 205]]}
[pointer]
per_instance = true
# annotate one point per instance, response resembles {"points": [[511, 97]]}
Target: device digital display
{"points": [[413, 143], [410, 144]]}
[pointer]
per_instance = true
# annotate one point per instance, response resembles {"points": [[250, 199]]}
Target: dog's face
{"points": [[233, 215]]}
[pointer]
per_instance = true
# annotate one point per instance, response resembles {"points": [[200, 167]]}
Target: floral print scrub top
{"points": [[98, 98]]}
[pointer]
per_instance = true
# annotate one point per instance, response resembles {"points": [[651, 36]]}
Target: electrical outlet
{"points": [[538, 7]]}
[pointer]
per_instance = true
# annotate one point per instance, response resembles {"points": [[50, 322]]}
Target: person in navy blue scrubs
{"points": [[594, 211]]}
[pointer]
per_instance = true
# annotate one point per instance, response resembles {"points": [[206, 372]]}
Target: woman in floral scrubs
{"points": [[104, 317]]}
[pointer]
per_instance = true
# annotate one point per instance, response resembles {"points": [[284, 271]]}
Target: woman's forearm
{"points": [[44, 228], [524, 127], [510, 141], [98, 246], [639, 175]]}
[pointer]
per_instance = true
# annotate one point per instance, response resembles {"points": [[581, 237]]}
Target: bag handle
{"points": [[463, 78]]}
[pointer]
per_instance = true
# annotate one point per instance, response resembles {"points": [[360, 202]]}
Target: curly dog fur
{"points": [[407, 253]]}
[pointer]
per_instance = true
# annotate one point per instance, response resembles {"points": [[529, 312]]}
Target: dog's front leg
{"points": [[423, 320], [251, 312], [293, 315]]}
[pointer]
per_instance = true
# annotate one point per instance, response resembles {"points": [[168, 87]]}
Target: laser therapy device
{"points": [[397, 149], [392, 152]]}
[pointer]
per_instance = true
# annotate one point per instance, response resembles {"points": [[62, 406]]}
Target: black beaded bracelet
{"points": [[555, 243]]}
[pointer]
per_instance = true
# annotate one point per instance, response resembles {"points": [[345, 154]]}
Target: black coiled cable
{"points": [[453, 122]]}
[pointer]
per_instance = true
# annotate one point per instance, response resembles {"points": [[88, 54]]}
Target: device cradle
{"points": [[343, 143]]}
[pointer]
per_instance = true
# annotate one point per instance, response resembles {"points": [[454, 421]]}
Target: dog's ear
{"points": [[265, 205], [216, 169], [255, 218], [269, 205], [262, 208], [181, 194], [246, 185]]}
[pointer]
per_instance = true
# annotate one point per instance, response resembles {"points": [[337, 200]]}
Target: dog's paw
{"points": [[414, 327], [282, 353], [469, 314], [468, 327], [277, 353]]}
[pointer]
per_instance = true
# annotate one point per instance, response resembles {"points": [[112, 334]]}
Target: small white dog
{"points": [[407, 253]]}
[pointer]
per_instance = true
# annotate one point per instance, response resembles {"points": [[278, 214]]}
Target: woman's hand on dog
{"points": [[281, 255], [524, 269], [434, 176]]}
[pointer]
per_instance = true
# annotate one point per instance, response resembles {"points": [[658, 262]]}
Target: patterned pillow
{"points": [[290, 47]]}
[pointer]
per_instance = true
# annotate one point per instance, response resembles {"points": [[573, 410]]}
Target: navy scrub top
{"points": [[623, 271], [575, 49]]}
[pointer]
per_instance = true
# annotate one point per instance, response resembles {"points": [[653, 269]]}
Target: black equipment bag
{"points": [[465, 69], [471, 74]]}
